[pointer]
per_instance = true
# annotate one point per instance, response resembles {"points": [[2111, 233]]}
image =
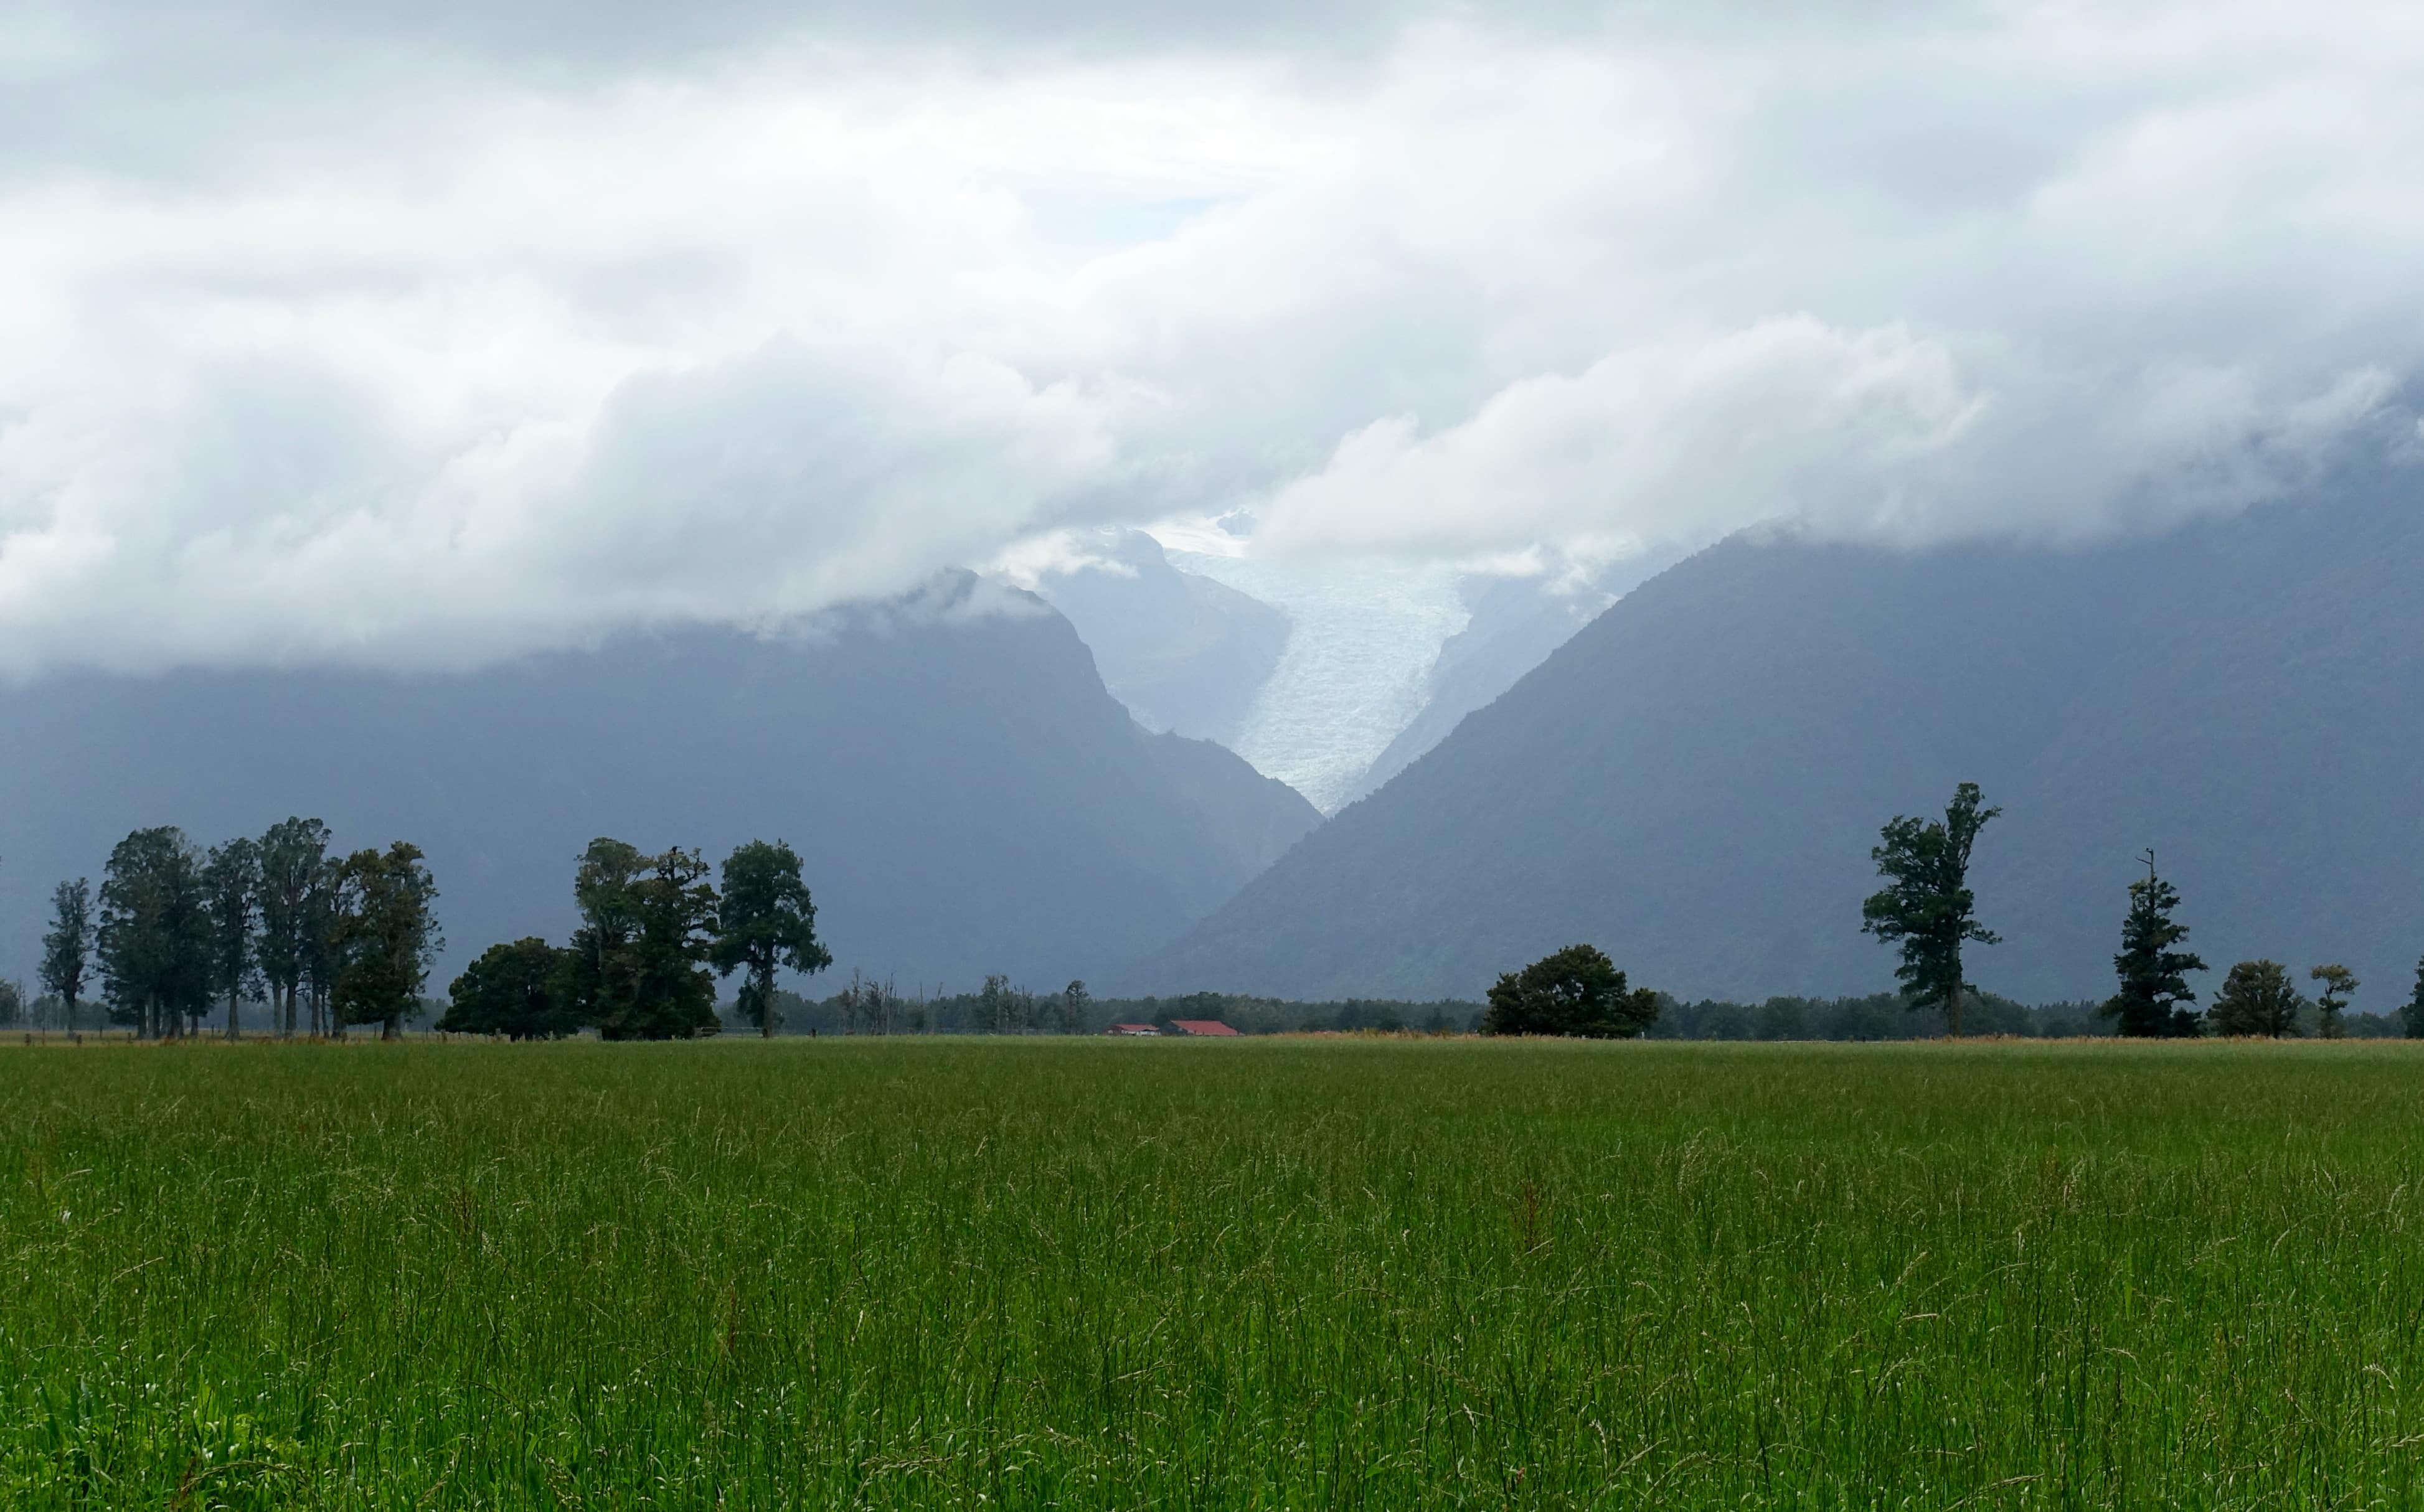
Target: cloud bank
{"points": [[427, 334]]}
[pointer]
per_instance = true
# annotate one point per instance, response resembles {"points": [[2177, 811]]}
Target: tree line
{"points": [[1000, 1008], [175, 932], [327, 941], [1928, 913]]}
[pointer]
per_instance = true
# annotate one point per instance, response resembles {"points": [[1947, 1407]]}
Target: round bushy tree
{"points": [[1577, 992], [516, 990], [2255, 999]]}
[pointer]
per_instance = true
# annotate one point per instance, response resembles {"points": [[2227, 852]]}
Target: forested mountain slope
{"points": [[1695, 780], [967, 796]]}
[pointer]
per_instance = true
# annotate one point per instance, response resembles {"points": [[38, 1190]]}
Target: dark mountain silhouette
{"points": [[967, 796], [1694, 781]]}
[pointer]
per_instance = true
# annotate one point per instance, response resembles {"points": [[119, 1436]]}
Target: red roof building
{"points": [[1131, 1029], [1202, 1027]]}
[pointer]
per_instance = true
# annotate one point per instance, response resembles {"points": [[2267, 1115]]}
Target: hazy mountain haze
{"points": [[967, 796]]}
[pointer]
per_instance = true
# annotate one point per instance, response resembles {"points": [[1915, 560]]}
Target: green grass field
{"points": [[1268, 1274]]}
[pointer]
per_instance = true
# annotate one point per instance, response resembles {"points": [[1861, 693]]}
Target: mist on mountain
{"points": [[968, 798]]}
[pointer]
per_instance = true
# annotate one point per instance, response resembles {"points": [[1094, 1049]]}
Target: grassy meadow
{"points": [[1385, 1274]]}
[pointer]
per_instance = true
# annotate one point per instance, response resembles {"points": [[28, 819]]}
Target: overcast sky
{"points": [[453, 328]]}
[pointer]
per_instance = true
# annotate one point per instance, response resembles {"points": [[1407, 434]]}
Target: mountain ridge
{"points": [[1695, 779]]}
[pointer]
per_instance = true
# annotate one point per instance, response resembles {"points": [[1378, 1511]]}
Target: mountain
{"points": [[1694, 780], [1186, 654], [967, 795], [1514, 624]]}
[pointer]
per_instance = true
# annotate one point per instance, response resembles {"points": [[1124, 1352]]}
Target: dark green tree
{"points": [[517, 989], [67, 950], [768, 924], [385, 937], [2413, 1012], [154, 937], [2256, 1000], [1071, 1015], [232, 880], [2155, 994], [599, 977], [294, 881], [638, 967], [996, 1008], [1577, 992], [1926, 908], [2339, 985]]}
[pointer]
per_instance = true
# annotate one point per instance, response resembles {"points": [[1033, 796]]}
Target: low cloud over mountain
{"points": [[422, 336]]}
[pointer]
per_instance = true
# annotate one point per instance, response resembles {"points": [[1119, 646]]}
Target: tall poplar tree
{"points": [[2413, 1012], [294, 879], [231, 886], [2155, 997], [67, 950], [155, 931], [1926, 908], [597, 974], [385, 936]]}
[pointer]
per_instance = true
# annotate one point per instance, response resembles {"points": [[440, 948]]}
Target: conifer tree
{"points": [[2339, 985], [2413, 1012], [2155, 994]]}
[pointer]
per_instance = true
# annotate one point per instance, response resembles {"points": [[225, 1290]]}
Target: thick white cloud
{"points": [[425, 333]]}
